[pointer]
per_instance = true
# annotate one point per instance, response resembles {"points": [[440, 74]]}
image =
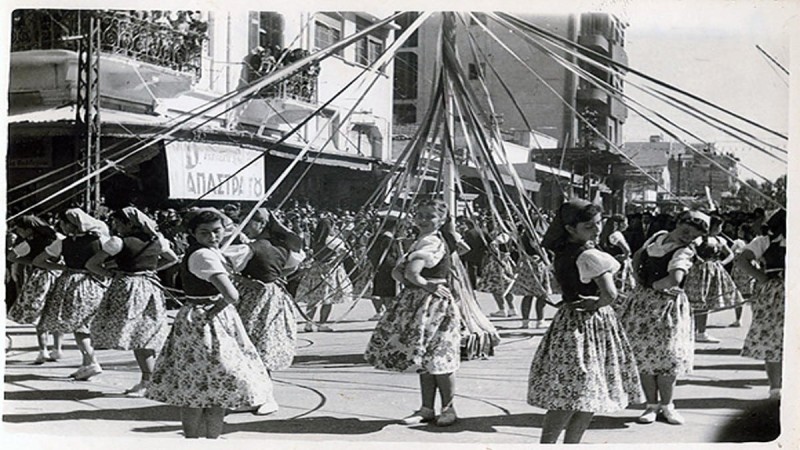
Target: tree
{"points": [[774, 190]]}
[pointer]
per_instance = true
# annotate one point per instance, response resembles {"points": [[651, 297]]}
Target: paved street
{"points": [[331, 394]]}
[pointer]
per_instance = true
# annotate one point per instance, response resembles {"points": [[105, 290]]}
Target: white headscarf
{"points": [[85, 222]]}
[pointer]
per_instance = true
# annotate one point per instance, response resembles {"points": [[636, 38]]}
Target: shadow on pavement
{"points": [[489, 424], [345, 360], [32, 377], [718, 351], [756, 366], [714, 403], [312, 425], [148, 413], [63, 394], [735, 384]]}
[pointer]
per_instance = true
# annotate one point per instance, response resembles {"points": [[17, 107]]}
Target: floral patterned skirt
{"points": [[709, 286], [497, 277], [326, 284], [532, 279], [132, 315], [72, 303], [362, 278], [419, 332], [743, 281], [584, 363], [624, 279], [660, 328], [267, 312], [31, 299], [209, 364], [764, 340]]}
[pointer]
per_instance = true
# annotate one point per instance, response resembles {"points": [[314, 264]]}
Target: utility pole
{"points": [[678, 190], [87, 110]]}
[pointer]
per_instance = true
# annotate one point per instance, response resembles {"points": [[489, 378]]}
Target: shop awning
{"points": [[527, 183]]}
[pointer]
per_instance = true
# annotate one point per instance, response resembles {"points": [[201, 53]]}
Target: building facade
{"points": [[682, 172], [548, 100], [156, 68]]}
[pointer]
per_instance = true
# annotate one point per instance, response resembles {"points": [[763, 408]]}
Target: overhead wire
{"points": [[241, 92], [618, 93], [618, 65]]}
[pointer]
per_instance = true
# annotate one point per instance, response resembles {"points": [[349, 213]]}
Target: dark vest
{"points": [[566, 273], [442, 269], [37, 245], [130, 260], [193, 285], [267, 261], [774, 258], [652, 269], [77, 250]]}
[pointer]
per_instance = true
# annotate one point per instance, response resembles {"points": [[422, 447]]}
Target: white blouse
{"points": [[431, 249], [592, 263], [207, 262]]}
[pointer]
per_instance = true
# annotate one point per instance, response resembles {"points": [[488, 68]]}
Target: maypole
{"points": [[448, 164]]}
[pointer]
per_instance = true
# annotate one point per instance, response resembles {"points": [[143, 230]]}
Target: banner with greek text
{"points": [[197, 167]]}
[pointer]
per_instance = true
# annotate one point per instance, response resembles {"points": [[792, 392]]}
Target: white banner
{"points": [[197, 167]]}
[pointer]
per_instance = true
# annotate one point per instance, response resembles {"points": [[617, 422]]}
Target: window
{"points": [[405, 76], [404, 22], [370, 48], [475, 72], [270, 29], [327, 31], [405, 114]]}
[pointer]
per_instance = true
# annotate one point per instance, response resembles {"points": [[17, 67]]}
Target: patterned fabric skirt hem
{"points": [[325, 284], [660, 329], [764, 340], [419, 332], [584, 363], [710, 286], [132, 315], [267, 312], [496, 278], [31, 300], [207, 364], [72, 303], [531, 279]]}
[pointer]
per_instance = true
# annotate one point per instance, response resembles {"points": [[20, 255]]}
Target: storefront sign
{"points": [[195, 168]]}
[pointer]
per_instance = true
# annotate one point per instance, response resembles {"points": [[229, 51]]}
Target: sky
{"points": [[709, 49]]}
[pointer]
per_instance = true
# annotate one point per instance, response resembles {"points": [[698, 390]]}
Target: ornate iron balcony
{"points": [[301, 86], [172, 39]]}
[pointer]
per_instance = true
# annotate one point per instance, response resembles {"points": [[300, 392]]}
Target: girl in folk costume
{"points": [[498, 274], [612, 241], [265, 307], [420, 330], [765, 338], [208, 363], [533, 279], [708, 285], [744, 281], [657, 315], [584, 363], [36, 235], [76, 293], [133, 313], [383, 256], [326, 281]]}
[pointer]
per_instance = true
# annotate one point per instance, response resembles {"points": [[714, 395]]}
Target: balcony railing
{"points": [[172, 39], [301, 86]]}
